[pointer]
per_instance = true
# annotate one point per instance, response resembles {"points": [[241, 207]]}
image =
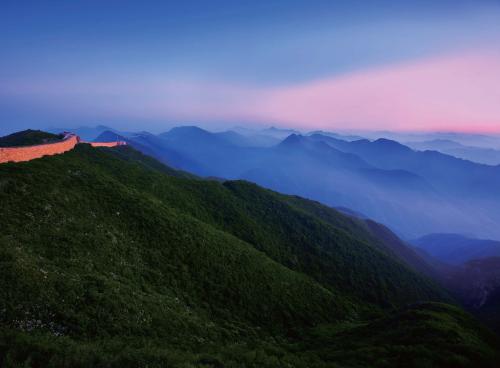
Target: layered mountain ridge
{"points": [[383, 179]]}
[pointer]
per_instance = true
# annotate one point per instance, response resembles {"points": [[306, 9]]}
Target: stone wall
{"points": [[107, 144], [18, 154]]}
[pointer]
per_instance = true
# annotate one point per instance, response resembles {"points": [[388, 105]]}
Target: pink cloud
{"points": [[457, 92], [460, 92]]}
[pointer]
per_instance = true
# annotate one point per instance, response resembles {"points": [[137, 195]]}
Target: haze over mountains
{"points": [[457, 249], [485, 155], [414, 192]]}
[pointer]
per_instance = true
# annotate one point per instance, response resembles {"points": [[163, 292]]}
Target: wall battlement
{"points": [[28, 153]]}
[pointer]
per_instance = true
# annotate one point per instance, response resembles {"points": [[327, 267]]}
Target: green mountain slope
{"points": [[292, 231], [108, 258]]}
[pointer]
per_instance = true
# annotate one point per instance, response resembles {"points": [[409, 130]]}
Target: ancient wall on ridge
{"points": [[18, 154], [107, 144]]}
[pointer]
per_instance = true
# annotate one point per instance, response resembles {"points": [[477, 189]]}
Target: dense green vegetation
{"points": [[28, 138], [108, 258]]}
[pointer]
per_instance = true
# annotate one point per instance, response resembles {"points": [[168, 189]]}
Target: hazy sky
{"points": [[406, 65]]}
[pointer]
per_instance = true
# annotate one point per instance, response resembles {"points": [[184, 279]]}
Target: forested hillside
{"points": [[109, 258], [28, 138]]}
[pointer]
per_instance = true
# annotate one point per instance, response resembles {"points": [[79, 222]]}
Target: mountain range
{"points": [[415, 193], [488, 156]]}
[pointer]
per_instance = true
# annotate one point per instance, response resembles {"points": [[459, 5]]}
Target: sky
{"points": [[368, 65]]}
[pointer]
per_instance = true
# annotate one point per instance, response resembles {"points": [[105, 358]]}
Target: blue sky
{"points": [[250, 44]]}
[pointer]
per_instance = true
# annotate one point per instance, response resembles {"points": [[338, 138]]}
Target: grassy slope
{"points": [[28, 138], [107, 257]]}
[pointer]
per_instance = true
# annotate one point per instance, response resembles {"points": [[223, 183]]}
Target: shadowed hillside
{"points": [[28, 138]]}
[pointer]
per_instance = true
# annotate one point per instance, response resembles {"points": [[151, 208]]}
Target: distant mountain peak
{"points": [[293, 139], [390, 144], [188, 128], [109, 136], [188, 131], [387, 142]]}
